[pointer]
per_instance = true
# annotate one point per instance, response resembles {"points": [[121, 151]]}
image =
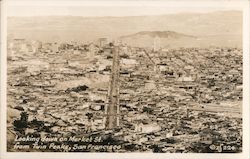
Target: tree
{"points": [[21, 125], [24, 117]]}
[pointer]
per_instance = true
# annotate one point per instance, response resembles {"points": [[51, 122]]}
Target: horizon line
{"points": [[119, 16]]}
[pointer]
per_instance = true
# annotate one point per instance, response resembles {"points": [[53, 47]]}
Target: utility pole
{"points": [[112, 111]]}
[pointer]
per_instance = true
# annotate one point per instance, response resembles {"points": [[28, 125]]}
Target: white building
{"points": [[147, 128]]}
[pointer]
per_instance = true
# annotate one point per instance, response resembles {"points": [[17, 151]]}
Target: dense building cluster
{"points": [[170, 100]]}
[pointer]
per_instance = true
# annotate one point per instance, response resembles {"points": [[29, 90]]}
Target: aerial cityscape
{"points": [[160, 91]]}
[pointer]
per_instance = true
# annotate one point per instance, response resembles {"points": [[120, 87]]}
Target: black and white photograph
{"points": [[124, 78]]}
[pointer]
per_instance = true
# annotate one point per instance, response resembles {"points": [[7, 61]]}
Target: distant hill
{"points": [[159, 34], [218, 28], [161, 38]]}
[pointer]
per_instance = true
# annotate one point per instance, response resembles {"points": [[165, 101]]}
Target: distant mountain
{"points": [[221, 28], [160, 38], [158, 34]]}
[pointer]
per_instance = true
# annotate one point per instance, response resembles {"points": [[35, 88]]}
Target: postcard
{"points": [[125, 79]]}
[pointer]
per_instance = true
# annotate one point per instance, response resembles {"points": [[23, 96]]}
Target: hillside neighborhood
{"points": [[170, 100]]}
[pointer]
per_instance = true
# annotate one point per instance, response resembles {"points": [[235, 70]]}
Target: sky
{"points": [[101, 11], [93, 10]]}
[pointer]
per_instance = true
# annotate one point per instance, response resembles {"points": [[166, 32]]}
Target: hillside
{"points": [[170, 39], [161, 38], [158, 34]]}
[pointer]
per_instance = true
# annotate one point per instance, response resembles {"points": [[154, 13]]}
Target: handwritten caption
{"points": [[65, 144]]}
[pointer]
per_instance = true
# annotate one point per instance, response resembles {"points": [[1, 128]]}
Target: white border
{"points": [[3, 77], [44, 155], [180, 3], [246, 80]]}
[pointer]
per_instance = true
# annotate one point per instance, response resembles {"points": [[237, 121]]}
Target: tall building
{"points": [[36, 46], [157, 44], [102, 42]]}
